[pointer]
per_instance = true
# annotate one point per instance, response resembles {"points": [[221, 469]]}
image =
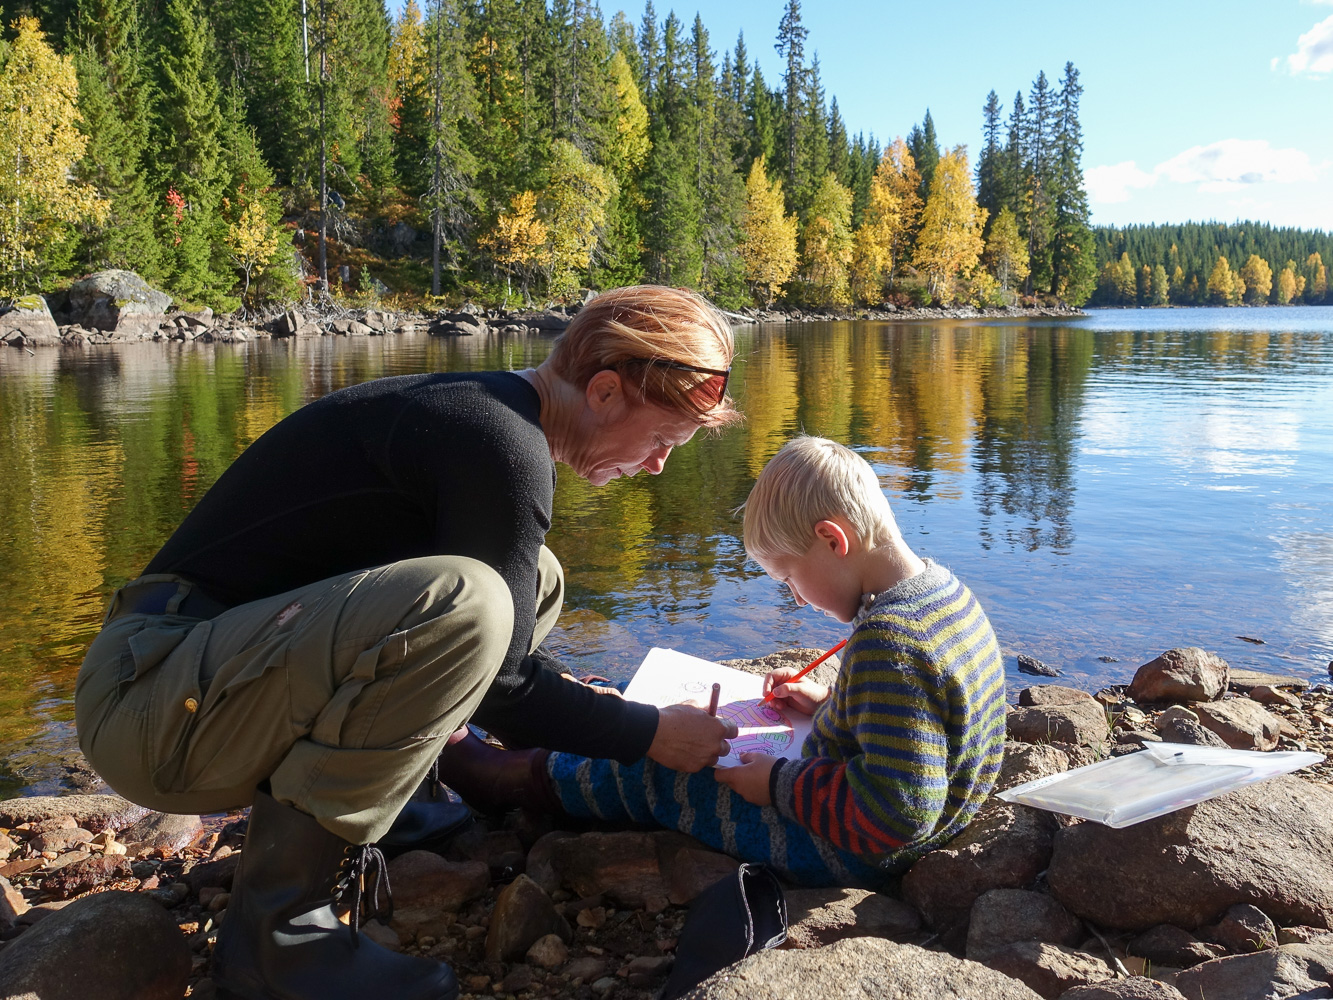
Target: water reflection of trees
{"points": [[1026, 436]]}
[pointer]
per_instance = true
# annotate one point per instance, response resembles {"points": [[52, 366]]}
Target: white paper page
{"points": [[667, 677]]}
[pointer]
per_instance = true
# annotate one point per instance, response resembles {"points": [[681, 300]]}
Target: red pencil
{"points": [[805, 670]]}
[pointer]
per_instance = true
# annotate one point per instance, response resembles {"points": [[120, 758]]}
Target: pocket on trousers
{"points": [[243, 726], [174, 653]]}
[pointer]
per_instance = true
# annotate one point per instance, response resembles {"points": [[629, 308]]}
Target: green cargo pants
{"points": [[340, 693]]}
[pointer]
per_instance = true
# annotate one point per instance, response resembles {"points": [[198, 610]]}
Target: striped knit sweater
{"points": [[909, 742]]}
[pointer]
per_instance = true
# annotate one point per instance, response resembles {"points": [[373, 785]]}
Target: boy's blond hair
{"points": [[813, 479]]}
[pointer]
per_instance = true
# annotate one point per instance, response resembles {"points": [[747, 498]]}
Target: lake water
{"points": [[1109, 487]]}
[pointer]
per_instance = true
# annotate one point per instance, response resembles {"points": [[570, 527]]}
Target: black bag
{"points": [[734, 917]]}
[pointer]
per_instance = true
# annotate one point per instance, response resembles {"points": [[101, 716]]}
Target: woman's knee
{"points": [[459, 586]]}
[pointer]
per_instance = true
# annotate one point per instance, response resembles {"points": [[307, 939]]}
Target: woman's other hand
{"points": [[689, 739], [804, 696], [749, 779]]}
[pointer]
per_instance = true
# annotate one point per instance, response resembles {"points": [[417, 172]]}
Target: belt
{"points": [[153, 598]]}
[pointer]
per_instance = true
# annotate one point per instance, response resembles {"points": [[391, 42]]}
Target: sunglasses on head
{"points": [[711, 390]]}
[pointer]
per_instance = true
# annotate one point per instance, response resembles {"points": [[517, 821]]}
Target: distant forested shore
{"points": [[1197, 264], [260, 152]]}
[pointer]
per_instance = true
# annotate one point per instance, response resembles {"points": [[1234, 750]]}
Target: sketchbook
{"points": [[667, 677], [1162, 778]]}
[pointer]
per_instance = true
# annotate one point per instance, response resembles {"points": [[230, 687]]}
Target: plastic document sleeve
{"points": [[1162, 778]]}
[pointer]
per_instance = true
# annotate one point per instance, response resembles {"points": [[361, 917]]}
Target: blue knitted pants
{"points": [[709, 811]]}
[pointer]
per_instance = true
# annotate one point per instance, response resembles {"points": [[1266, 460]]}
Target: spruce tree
{"points": [[1073, 251], [261, 48], [812, 149], [114, 101], [790, 45], [650, 51], [839, 148], [990, 163], [1039, 181], [188, 157], [925, 149], [449, 196], [762, 112]]}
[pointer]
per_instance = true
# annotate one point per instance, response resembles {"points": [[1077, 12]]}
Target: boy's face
{"points": [[822, 576]]}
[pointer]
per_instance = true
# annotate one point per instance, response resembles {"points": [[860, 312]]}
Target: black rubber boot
{"points": [[428, 822], [282, 939]]}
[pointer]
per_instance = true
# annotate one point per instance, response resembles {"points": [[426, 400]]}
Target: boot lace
{"points": [[359, 862]]}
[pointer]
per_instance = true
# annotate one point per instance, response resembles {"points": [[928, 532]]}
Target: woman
{"points": [[364, 579]]}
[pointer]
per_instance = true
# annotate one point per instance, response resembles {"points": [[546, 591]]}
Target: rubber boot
{"points": [[492, 780], [282, 939], [428, 822]]}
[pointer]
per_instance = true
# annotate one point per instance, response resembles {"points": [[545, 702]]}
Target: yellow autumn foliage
{"points": [[518, 241], [768, 240], [950, 243], [253, 241], [828, 244], [40, 142]]}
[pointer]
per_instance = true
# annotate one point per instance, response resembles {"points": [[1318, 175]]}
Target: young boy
{"points": [[905, 745]]}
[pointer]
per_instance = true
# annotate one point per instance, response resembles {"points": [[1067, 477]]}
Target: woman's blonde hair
{"points": [[812, 479], [639, 332]]}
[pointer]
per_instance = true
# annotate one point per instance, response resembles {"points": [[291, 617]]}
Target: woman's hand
{"points": [[749, 780], [689, 739], [804, 696]]}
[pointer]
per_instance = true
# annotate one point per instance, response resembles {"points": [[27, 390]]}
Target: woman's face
{"points": [[634, 436]]}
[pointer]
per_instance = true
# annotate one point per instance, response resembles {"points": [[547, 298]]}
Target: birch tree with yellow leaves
{"points": [[828, 244], [518, 241], [573, 207], [950, 242], [880, 235], [39, 144], [903, 180], [768, 240]]}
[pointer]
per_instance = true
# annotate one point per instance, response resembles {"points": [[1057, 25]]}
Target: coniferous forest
{"points": [[259, 151]]}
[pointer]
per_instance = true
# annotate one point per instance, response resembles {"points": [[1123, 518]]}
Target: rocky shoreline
{"points": [[118, 307], [1231, 899]]}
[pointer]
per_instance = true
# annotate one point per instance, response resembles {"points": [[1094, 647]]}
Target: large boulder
{"points": [[1081, 722], [1024, 762], [630, 869], [1006, 916], [92, 812], [28, 323], [117, 300], [1303, 971], [1050, 969], [1269, 844], [1242, 723], [1188, 674], [427, 890], [111, 945], [1005, 847], [523, 915], [1133, 988], [856, 969], [818, 917]]}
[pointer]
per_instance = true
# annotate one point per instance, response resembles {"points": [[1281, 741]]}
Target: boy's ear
{"points": [[832, 534]]}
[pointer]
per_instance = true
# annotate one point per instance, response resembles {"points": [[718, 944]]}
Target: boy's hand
{"points": [[805, 695], [749, 780]]}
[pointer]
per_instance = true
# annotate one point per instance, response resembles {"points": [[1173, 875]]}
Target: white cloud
{"points": [[1232, 164], [1314, 50], [1113, 183]]}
